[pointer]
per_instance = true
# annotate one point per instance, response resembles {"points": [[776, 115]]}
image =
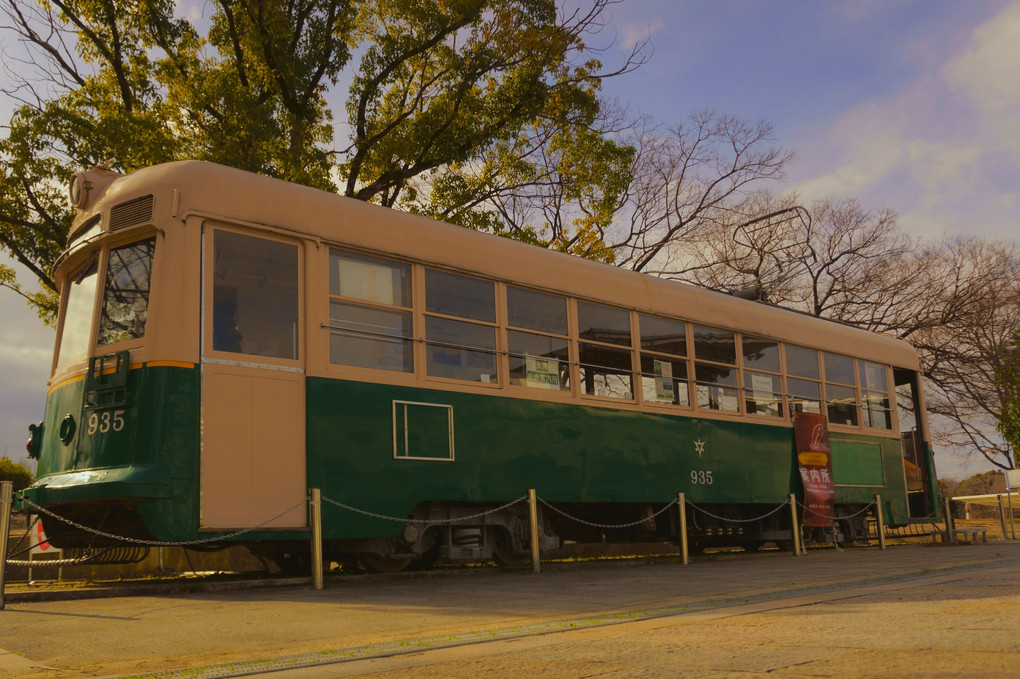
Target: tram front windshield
{"points": [[124, 305]]}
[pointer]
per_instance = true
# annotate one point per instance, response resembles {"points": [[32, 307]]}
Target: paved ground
{"points": [[906, 612]]}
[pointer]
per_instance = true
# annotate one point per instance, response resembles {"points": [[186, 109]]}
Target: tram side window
{"points": [[763, 394], [370, 312], [126, 293], [460, 332], [77, 326], [803, 379], [874, 395], [715, 369], [840, 389], [540, 357], [255, 296], [663, 360], [605, 367]]}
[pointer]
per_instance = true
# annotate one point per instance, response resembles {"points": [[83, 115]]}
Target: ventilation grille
{"points": [[137, 211]]}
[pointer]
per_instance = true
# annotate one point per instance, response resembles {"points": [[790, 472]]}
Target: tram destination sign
{"points": [[814, 459]]}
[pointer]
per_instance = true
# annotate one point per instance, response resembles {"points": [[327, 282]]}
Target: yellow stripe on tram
{"points": [[133, 366]]}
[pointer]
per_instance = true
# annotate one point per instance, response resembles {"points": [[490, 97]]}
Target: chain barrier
{"points": [[836, 518], [375, 515], [429, 522], [731, 520], [912, 529], [606, 525], [136, 541], [49, 563]]}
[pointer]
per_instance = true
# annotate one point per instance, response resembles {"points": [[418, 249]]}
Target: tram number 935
{"points": [[105, 422], [701, 477]]}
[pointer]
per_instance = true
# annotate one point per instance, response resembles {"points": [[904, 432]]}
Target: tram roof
{"points": [[217, 191]]}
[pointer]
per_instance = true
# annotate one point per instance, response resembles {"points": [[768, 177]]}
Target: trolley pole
{"points": [[880, 521], [795, 524], [681, 503], [6, 495], [536, 563], [315, 512], [1002, 517]]}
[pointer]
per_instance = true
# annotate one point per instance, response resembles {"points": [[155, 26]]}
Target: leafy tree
{"points": [[451, 104], [15, 472]]}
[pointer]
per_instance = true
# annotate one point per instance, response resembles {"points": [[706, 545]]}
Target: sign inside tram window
{"points": [[814, 459], [543, 373], [663, 381], [761, 386]]}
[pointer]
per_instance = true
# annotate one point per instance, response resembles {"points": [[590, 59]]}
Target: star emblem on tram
{"points": [[699, 446]]}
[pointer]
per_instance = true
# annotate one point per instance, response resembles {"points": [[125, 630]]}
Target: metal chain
{"points": [[161, 543], [606, 525], [727, 519], [835, 518], [80, 561], [431, 522]]}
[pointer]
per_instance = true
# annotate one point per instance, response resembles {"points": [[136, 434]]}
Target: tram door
{"points": [[917, 465], [253, 393]]}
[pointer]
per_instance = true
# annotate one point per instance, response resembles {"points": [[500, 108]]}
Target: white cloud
{"points": [[944, 153], [634, 33], [988, 73]]}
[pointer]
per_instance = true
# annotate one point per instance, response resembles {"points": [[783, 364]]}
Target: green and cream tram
{"points": [[227, 341]]}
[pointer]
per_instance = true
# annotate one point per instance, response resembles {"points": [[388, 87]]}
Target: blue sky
{"points": [[912, 105]]}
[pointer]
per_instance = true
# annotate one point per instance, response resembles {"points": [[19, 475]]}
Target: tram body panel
{"points": [[206, 438]]}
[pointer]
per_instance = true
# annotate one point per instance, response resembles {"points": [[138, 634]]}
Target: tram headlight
{"points": [[78, 190]]}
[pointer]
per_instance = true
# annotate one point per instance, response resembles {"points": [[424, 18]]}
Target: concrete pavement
{"points": [[907, 611]]}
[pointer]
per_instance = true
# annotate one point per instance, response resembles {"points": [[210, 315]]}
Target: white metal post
{"points": [[536, 563], [681, 502], [315, 512], [795, 524], [881, 521], [1002, 517], [6, 495], [950, 527]]}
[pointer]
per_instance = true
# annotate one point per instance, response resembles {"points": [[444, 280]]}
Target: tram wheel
{"points": [[292, 564], [426, 560], [504, 554]]}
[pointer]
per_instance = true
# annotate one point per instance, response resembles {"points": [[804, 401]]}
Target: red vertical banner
{"points": [[814, 459]]}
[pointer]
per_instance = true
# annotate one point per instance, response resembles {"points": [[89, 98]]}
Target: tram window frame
{"points": [[222, 306], [842, 401], [755, 371], [389, 348], [802, 373], [800, 400], [605, 364], [476, 362], [876, 400], [661, 386], [532, 318], [80, 310], [109, 317], [720, 393]]}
